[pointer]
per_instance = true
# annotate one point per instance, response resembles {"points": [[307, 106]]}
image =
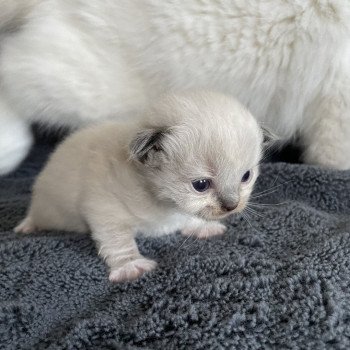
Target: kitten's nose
{"points": [[229, 206]]}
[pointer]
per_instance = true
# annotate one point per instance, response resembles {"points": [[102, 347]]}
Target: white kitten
{"points": [[74, 62], [192, 160]]}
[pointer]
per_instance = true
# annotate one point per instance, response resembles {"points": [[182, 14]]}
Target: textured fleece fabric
{"points": [[278, 280]]}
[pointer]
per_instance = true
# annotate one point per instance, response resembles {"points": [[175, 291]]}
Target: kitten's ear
{"points": [[146, 144]]}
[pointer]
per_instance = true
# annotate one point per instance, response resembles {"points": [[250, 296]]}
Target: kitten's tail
{"points": [[14, 12]]}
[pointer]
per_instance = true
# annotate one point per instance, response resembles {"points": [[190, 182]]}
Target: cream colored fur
{"points": [[119, 178], [75, 62]]}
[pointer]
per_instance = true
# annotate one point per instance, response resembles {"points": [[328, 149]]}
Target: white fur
{"points": [[15, 138], [117, 179], [74, 62]]}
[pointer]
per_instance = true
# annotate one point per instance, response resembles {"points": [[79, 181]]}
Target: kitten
{"points": [[191, 161], [74, 62]]}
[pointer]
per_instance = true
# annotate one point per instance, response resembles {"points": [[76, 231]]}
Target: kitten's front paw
{"points": [[132, 270], [207, 230]]}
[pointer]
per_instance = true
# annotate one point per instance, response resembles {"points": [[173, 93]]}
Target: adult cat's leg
{"points": [[326, 133], [15, 138]]}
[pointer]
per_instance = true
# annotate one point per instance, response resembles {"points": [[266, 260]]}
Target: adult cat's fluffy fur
{"points": [[117, 178], [73, 62]]}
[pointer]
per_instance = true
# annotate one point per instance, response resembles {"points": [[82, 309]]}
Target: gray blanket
{"points": [[279, 279]]}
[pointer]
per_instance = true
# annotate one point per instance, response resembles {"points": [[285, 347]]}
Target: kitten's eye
{"points": [[201, 185], [246, 176]]}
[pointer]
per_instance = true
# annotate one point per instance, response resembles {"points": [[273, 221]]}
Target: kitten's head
{"points": [[200, 151]]}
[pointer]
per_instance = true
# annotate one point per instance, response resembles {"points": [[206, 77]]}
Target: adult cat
{"points": [[75, 62]]}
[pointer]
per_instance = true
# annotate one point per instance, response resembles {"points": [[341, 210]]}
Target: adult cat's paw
{"points": [[329, 156], [132, 270], [206, 230]]}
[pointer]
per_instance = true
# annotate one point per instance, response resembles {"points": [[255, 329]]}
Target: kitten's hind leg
{"points": [[203, 229], [25, 226], [15, 138], [325, 132]]}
